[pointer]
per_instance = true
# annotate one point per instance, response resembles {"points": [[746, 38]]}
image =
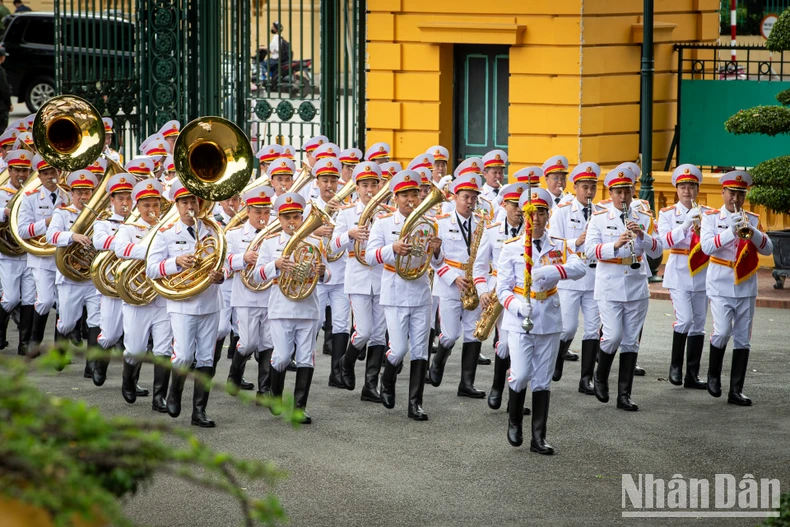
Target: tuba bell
{"points": [[213, 160], [417, 231], [301, 282]]}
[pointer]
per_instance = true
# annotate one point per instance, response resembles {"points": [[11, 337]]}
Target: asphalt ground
{"points": [[361, 464]]}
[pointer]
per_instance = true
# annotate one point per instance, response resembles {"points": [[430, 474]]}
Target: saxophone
{"points": [[469, 298], [488, 318]]}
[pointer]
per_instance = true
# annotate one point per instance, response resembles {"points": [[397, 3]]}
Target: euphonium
{"points": [[339, 198], [743, 228], [9, 245], [299, 283], [366, 220], [213, 160], [417, 232], [469, 298], [488, 318]]}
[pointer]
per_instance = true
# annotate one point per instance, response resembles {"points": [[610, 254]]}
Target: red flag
{"points": [[698, 260], [747, 261]]}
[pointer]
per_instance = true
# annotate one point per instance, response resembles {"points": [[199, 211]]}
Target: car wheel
{"points": [[39, 91]]}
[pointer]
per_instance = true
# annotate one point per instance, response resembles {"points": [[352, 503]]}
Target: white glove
{"points": [[525, 310], [538, 274], [691, 218], [735, 220]]}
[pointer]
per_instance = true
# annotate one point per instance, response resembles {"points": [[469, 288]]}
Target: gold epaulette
{"points": [[712, 211], [166, 227], [386, 215], [10, 190], [667, 208], [349, 206], [564, 204], [497, 224], [441, 216], [516, 238], [597, 212], [271, 235]]}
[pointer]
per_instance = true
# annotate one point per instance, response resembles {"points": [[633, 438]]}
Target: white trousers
{"points": [[456, 322], [409, 329], [111, 321], [370, 327], [288, 334], [227, 316], [691, 308], [71, 299], [45, 290], [532, 358], [17, 283], [622, 322], [252, 326], [732, 317], [337, 300], [194, 337], [142, 322], [571, 302], [502, 349]]}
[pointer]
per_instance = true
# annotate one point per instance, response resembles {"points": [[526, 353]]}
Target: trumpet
{"points": [[697, 222], [743, 228], [631, 246]]}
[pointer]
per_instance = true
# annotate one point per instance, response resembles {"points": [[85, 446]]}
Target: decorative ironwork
{"points": [[285, 110], [307, 111], [263, 110]]}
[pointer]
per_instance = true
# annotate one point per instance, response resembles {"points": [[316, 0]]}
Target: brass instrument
{"points": [[631, 246], [488, 317], [241, 216], [213, 160], [299, 283], [9, 245], [469, 298], [366, 220], [339, 197], [743, 228], [697, 224], [417, 231]]}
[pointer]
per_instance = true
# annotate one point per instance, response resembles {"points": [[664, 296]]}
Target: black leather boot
{"points": [[601, 377], [277, 384], [130, 371], [4, 318], [589, 353], [161, 382], [100, 365], [416, 388], [560, 362], [431, 342], [25, 329], [639, 372], [304, 377], [347, 377], [515, 416], [140, 392], [234, 340], [483, 360], [327, 349], [339, 348], [469, 354], [174, 396], [60, 347], [714, 370], [92, 336], [217, 355], [498, 386], [625, 381], [291, 366], [37, 333], [694, 345], [264, 359], [75, 336], [200, 400], [571, 356], [388, 384], [540, 414], [740, 361], [370, 391], [363, 353], [676, 364], [436, 370], [234, 374]]}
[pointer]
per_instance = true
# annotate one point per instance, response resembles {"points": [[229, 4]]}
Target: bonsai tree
{"points": [[771, 178], [66, 459]]}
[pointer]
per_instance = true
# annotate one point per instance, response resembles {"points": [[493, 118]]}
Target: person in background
{"points": [[5, 92], [4, 12], [20, 7]]}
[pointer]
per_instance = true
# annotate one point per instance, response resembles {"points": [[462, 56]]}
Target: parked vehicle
{"points": [[294, 77]]}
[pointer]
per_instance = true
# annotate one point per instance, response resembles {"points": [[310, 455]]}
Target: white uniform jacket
{"points": [[552, 264], [60, 235], [678, 240], [104, 232], [395, 291], [6, 193], [127, 247], [171, 242], [238, 241], [280, 306], [338, 267], [34, 210], [567, 222], [721, 243], [452, 256], [485, 266], [360, 279], [614, 278]]}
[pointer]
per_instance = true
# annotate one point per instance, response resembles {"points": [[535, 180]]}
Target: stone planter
{"points": [[781, 241]]}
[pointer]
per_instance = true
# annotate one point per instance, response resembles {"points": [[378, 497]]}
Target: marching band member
{"points": [[74, 296], [330, 292], [109, 135], [362, 284], [569, 222], [288, 152], [250, 307], [35, 215], [494, 163], [157, 148], [684, 275], [168, 176], [7, 140], [619, 243], [533, 352], [378, 152], [457, 231], [281, 175], [26, 138], [119, 187], [732, 237], [350, 158], [485, 276], [441, 157], [141, 166], [195, 320], [407, 303], [170, 131], [16, 277], [293, 323], [266, 155], [141, 323], [311, 191], [555, 170]]}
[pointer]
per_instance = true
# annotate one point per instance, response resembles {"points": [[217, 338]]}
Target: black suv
{"points": [[89, 43]]}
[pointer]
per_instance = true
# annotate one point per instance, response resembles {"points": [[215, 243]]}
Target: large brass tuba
{"points": [[417, 231], [301, 282], [213, 160], [374, 206]]}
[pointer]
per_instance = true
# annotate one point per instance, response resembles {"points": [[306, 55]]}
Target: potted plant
{"points": [[63, 463], [771, 178]]}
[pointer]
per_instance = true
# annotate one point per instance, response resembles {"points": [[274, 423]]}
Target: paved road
{"points": [[360, 464]]}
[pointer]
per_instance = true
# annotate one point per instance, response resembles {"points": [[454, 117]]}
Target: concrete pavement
{"points": [[360, 464]]}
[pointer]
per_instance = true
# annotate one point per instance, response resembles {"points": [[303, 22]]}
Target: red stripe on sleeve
{"points": [[563, 274], [55, 237], [655, 244], [669, 239], [764, 240], [32, 229], [717, 241], [128, 250], [480, 280], [378, 255], [508, 301], [598, 252], [230, 261], [162, 268], [338, 242], [263, 275], [108, 241]]}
